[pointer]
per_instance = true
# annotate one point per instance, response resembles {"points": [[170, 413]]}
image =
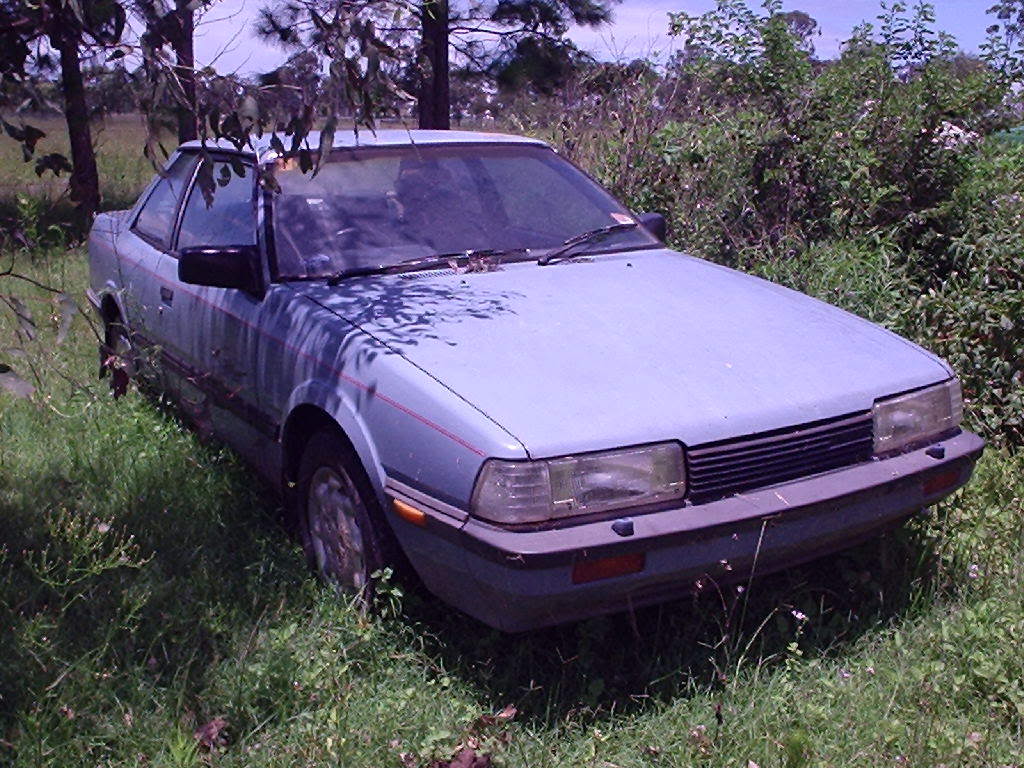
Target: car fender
{"points": [[104, 264], [327, 397], [110, 291]]}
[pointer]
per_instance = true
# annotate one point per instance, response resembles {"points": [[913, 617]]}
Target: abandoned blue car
{"points": [[458, 350]]}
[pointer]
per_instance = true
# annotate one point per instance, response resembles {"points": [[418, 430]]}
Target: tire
{"points": [[338, 517], [119, 357]]}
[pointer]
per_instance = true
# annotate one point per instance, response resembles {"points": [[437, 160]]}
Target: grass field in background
{"points": [[147, 589], [119, 141]]}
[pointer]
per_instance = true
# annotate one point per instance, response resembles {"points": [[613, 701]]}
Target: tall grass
{"points": [[123, 168]]}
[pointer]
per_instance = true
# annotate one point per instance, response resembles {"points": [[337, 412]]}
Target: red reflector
{"points": [[941, 481], [607, 567]]}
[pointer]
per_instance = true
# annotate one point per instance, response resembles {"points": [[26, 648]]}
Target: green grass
{"points": [[123, 168], [147, 587]]}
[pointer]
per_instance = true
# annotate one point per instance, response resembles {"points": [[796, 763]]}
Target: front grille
{"points": [[717, 470]]}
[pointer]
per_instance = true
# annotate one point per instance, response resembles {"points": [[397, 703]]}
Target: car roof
{"points": [[387, 137]]}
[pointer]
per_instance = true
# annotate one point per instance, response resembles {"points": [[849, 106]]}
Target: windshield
{"points": [[371, 207]]}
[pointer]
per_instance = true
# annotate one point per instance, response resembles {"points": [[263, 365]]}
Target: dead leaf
{"points": [[752, 764], [487, 720], [507, 713], [68, 712], [467, 758], [66, 309], [408, 760], [699, 739], [211, 734]]}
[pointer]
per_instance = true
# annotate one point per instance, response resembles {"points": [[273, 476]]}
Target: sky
{"points": [[638, 28]]}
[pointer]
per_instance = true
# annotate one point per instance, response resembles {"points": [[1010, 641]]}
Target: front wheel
{"points": [[335, 520]]}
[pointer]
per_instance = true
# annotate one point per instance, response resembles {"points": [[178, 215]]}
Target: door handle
{"points": [[166, 295]]}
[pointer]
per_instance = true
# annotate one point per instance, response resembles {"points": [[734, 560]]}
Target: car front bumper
{"points": [[520, 580]]}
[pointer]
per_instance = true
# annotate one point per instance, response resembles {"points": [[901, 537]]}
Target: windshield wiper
{"points": [[424, 262], [586, 237], [378, 269], [472, 253]]}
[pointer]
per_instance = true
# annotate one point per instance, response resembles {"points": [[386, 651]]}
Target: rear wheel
{"points": [[335, 509]]}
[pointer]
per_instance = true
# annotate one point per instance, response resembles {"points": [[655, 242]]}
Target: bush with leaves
{"points": [[751, 144], [974, 317]]}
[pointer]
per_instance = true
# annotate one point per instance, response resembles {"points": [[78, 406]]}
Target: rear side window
{"points": [[227, 216], [155, 221]]}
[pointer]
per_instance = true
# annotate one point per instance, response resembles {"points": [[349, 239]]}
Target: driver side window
{"points": [[228, 216]]}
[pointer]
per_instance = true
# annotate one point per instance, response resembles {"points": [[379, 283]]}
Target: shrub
{"points": [[750, 143], [973, 316]]}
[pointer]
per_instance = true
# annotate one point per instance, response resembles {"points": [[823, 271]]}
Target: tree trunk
{"points": [[434, 98], [85, 181], [184, 56]]}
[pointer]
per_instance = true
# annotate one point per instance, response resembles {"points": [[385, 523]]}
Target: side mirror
{"points": [[655, 224], [222, 266]]}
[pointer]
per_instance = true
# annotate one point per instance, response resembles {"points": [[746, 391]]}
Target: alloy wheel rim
{"points": [[335, 536]]}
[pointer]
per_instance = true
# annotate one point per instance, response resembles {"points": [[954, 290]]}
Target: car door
{"points": [[217, 329], [146, 269]]}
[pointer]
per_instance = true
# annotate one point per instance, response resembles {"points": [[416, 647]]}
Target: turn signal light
{"points": [[940, 481], [607, 567], [409, 513]]}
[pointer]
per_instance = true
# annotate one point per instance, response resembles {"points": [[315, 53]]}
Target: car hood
{"points": [[628, 348]]}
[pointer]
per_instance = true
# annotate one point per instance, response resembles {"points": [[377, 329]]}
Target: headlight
{"points": [[917, 417], [536, 491]]}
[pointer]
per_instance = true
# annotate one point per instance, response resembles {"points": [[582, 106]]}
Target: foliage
{"points": [[975, 316], [520, 43], [67, 28], [24, 24], [355, 48], [537, 66], [1005, 44], [34, 209], [966, 305], [757, 146]]}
